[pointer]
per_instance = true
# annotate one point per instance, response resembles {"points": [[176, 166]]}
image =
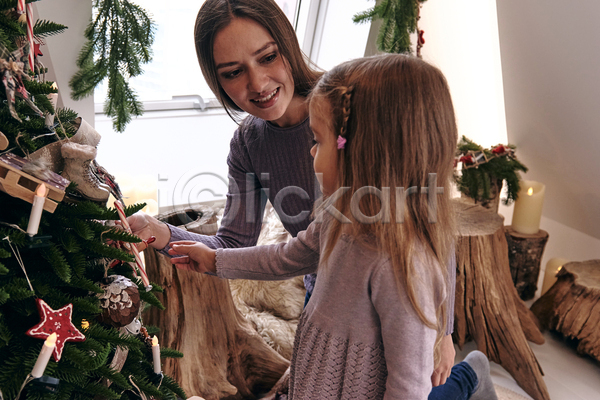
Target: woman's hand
{"points": [[195, 256], [144, 226], [447, 352]]}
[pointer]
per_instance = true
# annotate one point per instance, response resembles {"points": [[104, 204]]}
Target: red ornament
{"points": [[36, 50], [58, 321], [421, 39], [467, 160], [500, 149]]}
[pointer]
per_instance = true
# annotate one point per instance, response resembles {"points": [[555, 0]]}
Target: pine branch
{"points": [[5, 334], [166, 352], [45, 28], [57, 260], [150, 298], [93, 389], [115, 377], [399, 20], [169, 384], [87, 285], [119, 41], [105, 251], [4, 296], [88, 356]]}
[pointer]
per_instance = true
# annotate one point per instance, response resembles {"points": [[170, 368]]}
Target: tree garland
{"points": [[482, 166]]}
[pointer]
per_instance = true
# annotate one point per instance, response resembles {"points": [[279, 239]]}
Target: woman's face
{"points": [[253, 73]]}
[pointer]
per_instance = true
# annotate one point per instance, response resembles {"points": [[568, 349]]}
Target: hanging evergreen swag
{"points": [[119, 39], [399, 21], [481, 167]]}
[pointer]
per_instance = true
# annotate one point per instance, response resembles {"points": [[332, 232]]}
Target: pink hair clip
{"points": [[341, 142]]}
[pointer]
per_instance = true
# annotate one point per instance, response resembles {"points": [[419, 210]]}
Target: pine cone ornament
{"points": [[120, 301]]}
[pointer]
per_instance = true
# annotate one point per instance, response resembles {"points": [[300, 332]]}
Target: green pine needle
{"points": [[45, 28], [119, 42]]}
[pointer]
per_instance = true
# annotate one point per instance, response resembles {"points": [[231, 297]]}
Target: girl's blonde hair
{"points": [[215, 15], [396, 113]]}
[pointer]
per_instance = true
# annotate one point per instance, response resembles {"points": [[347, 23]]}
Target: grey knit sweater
{"points": [[265, 162], [359, 337]]}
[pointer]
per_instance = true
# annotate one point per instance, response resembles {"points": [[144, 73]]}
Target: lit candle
{"points": [[36, 210], [156, 355], [552, 267], [528, 208], [44, 357]]}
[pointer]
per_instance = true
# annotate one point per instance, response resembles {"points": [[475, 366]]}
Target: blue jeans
{"points": [[459, 386]]}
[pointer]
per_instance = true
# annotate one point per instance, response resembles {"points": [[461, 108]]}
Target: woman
{"points": [[251, 59]]}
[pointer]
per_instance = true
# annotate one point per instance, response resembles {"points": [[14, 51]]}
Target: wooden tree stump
{"points": [[572, 305], [525, 255], [224, 357], [488, 308]]}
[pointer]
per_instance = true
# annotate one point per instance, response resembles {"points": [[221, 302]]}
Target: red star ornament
{"points": [[58, 321]]}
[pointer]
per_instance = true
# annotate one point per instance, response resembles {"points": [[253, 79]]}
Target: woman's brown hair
{"points": [[214, 15], [396, 114]]}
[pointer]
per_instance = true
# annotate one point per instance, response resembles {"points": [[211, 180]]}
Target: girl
{"points": [[378, 312], [251, 59]]}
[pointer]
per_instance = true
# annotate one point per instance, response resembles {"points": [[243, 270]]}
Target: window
{"points": [[175, 154]]}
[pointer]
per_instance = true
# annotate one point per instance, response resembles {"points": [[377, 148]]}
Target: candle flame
{"points": [[41, 191], [85, 324], [51, 340], [154, 341], [529, 191]]}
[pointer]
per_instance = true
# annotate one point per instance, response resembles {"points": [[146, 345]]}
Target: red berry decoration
{"points": [[467, 160], [500, 149], [422, 37], [58, 321]]}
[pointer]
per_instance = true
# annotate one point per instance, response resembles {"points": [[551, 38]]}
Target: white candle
{"points": [[36, 210], [528, 208], [156, 355], [53, 97], [44, 357], [552, 267]]}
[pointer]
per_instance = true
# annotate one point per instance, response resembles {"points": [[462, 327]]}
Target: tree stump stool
{"points": [[487, 306], [572, 305], [524, 256], [224, 356]]}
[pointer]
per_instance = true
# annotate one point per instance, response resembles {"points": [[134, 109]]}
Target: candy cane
{"points": [[30, 35], [131, 247]]}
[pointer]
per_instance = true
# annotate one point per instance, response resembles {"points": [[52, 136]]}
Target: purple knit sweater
{"points": [[266, 161], [359, 337]]}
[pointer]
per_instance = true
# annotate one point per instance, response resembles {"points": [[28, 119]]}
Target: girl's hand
{"points": [[195, 257], [442, 372]]}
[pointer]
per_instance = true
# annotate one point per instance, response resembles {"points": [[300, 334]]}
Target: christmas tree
{"points": [[71, 284]]}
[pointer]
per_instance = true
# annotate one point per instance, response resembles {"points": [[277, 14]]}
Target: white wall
{"points": [[550, 63], [461, 38], [61, 51], [180, 153]]}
